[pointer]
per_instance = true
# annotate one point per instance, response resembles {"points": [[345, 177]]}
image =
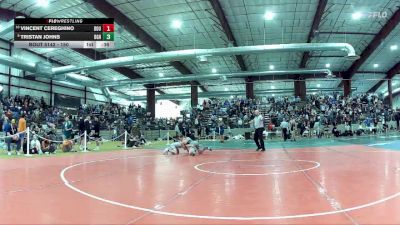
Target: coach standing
{"points": [[259, 129]]}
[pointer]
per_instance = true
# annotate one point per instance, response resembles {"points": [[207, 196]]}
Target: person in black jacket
{"points": [[87, 128], [81, 126], [87, 124], [96, 133], [397, 118]]}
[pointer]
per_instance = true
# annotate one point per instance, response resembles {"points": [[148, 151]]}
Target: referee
{"points": [[259, 128]]}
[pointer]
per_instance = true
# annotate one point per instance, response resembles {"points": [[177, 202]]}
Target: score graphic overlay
{"points": [[64, 33]]}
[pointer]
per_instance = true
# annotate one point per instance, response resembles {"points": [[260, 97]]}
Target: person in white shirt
{"points": [[35, 145], [258, 122]]}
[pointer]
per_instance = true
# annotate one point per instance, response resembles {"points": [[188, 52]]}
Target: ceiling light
{"points": [[376, 65], [273, 95], [114, 78], [272, 87], [226, 89], [231, 96], [269, 15], [176, 24], [313, 93], [393, 47], [42, 3], [160, 74], [213, 70], [356, 15], [327, 65], [318, 85], [271, 67]]}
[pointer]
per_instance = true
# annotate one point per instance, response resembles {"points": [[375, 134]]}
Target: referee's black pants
{"points": [[259, 139], [285, 133]]}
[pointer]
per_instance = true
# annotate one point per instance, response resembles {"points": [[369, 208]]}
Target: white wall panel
{"points": [[17, 72], [4, 44], [396, 102], [3, 68], [30, 84], [94, 102], [5, 90], [3, 79], [43, 79], [66, 84], [93, 96]]}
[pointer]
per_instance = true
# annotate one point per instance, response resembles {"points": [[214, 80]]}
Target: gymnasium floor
{"points": [[315, 181]]}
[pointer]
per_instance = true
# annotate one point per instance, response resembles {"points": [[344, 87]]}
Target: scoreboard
{"points": [[63, 33]]}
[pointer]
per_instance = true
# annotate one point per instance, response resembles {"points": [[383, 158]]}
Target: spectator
{"points": [[96, 133], [285, 129], [11, 136], [47, 146], [22, 127], [67, 129], [35, 146], [335, 131]]}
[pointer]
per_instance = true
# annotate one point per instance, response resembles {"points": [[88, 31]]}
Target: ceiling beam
{"points": [[346, 33], [374, 44], [126, 48], [393, 71], [171, 84], [314, 27], [6, 14], [289, 77], [216, 5], [389, 75], [112, 12], [376, 86], [252, 78], [95, 55]]}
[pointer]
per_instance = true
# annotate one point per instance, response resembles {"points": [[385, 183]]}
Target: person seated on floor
{"points": [[326, 130], [35, 146], [270, 131], [368, 124], [142, 140], [133, 142], [375, 127], [47, 146], [385, 128], [66, 146], [302, 127], [360, 130], [335, 131], [347, 130]]}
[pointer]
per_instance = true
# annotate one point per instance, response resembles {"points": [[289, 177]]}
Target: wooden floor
{"points": [[350, 184]]}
